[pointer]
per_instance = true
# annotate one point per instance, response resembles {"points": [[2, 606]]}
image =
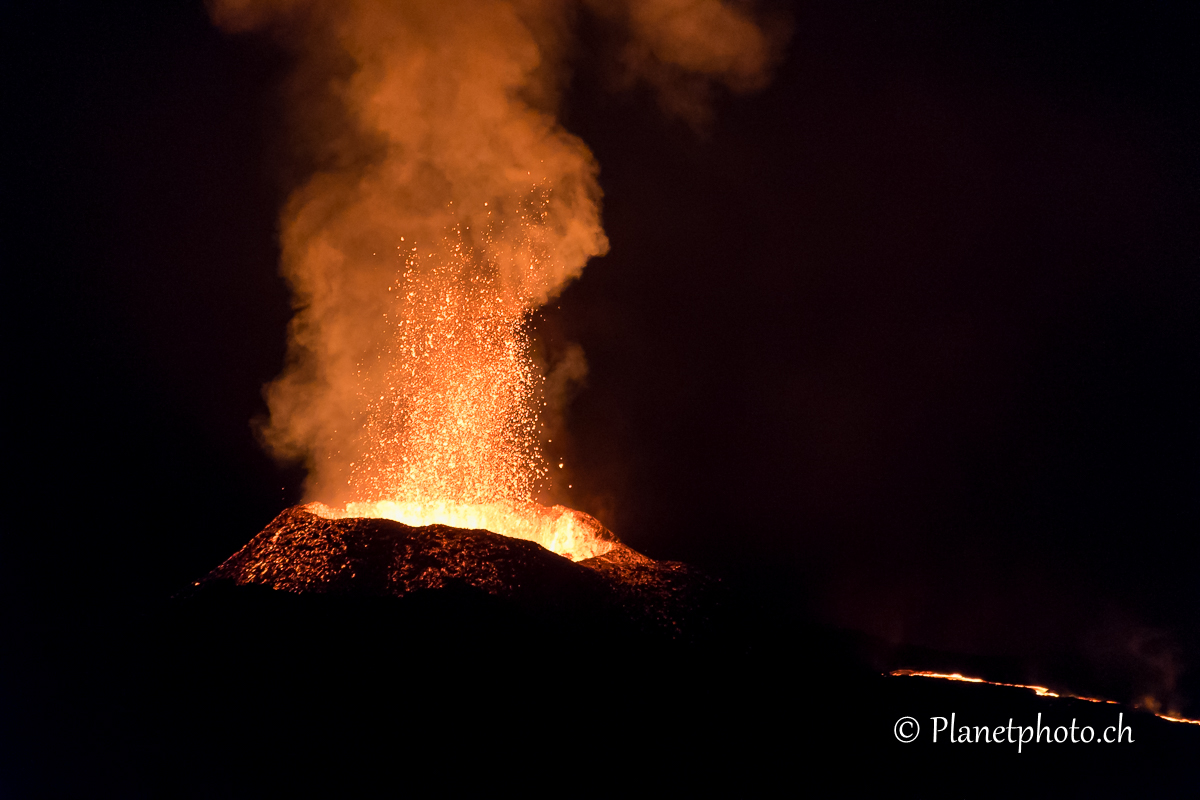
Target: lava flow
{"points": [[1040, 691]]}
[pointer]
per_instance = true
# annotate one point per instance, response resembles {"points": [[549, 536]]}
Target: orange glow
{"points": [[450, 205], [1041, 691], [450, 435], [561, 530]]}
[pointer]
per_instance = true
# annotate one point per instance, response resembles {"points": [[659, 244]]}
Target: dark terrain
{"points": [[330, 656], [904, 350]]}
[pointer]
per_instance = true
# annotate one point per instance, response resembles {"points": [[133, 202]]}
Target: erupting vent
{"points": [[560, 530], [450, 205]]}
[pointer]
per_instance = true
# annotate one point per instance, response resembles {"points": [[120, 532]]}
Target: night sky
{"points": [[908, 342]]}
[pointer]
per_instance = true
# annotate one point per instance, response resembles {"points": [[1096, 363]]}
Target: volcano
{"points": [[302, 552], [480, 652], [330, 653]]}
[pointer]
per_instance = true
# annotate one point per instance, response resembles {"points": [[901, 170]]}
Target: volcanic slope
{"points": [[302, 553], [329, 652]]}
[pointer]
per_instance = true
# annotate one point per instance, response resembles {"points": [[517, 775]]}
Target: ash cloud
{"points": [[432, 125], [681, 48]]}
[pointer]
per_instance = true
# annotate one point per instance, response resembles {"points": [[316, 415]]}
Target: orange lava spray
{"points": [[445, 204]]}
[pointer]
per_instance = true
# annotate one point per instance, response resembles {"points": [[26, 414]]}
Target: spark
{"points": [[450, 435]]}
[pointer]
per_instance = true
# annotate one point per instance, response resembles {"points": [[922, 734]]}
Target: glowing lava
{"points": [[1041, 691], [559, 529], [451, 429], [447, 204]]}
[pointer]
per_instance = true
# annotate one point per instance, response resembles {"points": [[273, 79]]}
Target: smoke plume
{"points": [[448, 203]]}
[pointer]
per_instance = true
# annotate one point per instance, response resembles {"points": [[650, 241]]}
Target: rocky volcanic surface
{"points": [[326, 652], [303, 553], [478, 654]]}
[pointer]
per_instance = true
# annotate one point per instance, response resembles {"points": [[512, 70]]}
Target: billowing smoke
{"points": [[447, 204]]}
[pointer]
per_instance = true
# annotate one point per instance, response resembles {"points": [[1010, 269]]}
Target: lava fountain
{"points": [[450, 435], [445, 204]]}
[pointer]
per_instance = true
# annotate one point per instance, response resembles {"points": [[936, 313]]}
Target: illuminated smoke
{"points": [[446, 205]]}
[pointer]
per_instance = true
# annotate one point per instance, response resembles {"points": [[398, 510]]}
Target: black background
{"points": [[907, 342]]}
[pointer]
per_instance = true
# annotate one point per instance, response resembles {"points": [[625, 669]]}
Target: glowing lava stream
{"points": [[1041, 691], [559, 529]]}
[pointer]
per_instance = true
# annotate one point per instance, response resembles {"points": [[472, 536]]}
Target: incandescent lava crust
{"points": [[302, 553]]}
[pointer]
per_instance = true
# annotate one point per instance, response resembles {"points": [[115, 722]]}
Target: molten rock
{"points": [[300, 552]]}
